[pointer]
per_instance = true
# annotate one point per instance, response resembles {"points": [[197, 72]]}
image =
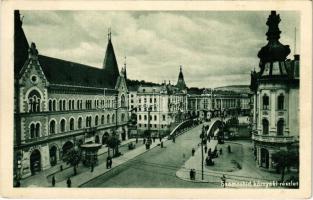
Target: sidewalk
{"points": [[41, 179], [248, 175]]}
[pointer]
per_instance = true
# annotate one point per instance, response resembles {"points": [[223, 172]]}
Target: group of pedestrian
{"points": [[192, 174], [109, 162]]}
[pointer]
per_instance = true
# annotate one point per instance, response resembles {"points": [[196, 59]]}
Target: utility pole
{"points": [[202, 136]]}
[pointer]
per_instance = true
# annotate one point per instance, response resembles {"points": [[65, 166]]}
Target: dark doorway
{"points": [[97, 140], [264, 158], [53, 155], [35, 162]]}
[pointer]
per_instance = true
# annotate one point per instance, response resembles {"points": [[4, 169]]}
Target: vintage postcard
{"points": [[139, 99]]}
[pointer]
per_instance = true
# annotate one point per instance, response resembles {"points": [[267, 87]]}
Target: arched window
{"points": [[265, 102], [113, 118], [96, 120], [71, 124], [78, 103], [88, 121], [280, 127], [63, 104], [80, 122], [50, 105], [123, 101], [280, 101], [60, 105], [69, 104], [32, 130], [123, 117], [52, 127], [108, 118], [265, 126], [37, 130], [62, 125], [102, 119], [54, 105], [34, 101]]}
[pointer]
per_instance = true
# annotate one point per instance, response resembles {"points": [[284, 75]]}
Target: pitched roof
{"points": [[181, 82], [65, 72], [20, 44], [109, 63]]}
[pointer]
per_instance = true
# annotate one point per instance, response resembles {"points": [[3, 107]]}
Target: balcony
{"points": [[273, 139]]}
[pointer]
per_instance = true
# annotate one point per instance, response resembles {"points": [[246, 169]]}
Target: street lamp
{"points": [[202, 141]]}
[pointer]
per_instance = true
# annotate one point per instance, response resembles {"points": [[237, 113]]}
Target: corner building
{"points": [[60, 104], [276, 98]]}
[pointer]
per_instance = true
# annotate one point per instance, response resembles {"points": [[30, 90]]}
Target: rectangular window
{"points": [[163, 116]]}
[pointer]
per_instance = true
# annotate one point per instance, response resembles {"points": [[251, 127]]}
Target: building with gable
{"points": [[60, 104]]}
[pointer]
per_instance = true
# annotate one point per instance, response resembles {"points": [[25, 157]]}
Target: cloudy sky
{"points": [[214, 48]]}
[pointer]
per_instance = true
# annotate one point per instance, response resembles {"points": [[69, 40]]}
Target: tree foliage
{"points": [[285, 159], [113, 142], [73, 157]]}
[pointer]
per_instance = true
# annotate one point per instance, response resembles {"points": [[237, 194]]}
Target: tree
{"points": [[113, 143], [285, 159], [73, 158]]}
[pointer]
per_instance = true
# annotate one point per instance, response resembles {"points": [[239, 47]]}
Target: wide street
{"points": [[155, 168]]}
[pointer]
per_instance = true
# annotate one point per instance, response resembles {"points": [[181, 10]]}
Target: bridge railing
{"points": [[182, 127]]}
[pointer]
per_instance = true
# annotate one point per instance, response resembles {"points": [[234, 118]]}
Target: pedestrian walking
{"points": [[205, 149], [162, 144], [160, 138], [221, 151], [144, 140], [223, 178], [108, 162], [53, 181], [136, 140], [174, 139], [153, 139], [229, 149], [69, 182], [191, 174], [92, 167], [193, 151]]}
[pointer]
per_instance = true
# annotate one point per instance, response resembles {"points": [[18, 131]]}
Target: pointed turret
{"points": [[124, 69], [20, 43], [110, 66], [181, 82]]}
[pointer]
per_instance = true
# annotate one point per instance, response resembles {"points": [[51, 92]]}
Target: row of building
{"points": [[60, 104]]}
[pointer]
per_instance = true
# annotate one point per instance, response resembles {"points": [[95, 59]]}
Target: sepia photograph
{"points": [[152, 99]]}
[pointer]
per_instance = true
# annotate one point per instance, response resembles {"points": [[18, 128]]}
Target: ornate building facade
{"points": [[208, 103], [159, 108], [61, 104], [276, 98]]}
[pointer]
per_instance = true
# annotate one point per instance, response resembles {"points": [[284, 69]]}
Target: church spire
{"points": [[181, 82], [110, 66], [125, 71]]}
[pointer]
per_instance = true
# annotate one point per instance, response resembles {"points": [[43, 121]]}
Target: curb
{"points": [[79, 185]]}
